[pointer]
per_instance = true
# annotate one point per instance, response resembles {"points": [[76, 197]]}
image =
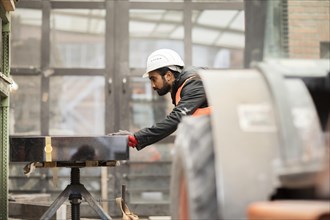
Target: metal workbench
{"points": [[74, 153]]}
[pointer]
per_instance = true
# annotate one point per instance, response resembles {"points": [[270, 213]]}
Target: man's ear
{"points": [[169, 75]]}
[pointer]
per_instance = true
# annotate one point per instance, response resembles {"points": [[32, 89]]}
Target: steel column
{"points": [[255, 25], [117, 65], [109, 68], [187, 24], [4, 117], [117, 70], [45, 62]]}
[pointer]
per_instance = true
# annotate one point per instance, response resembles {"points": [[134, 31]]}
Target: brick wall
{"points": [[309, 22]]}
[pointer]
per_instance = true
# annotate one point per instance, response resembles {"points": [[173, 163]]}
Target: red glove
{"points": [[132, 142]]}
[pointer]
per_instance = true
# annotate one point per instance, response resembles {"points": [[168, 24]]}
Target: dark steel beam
{"points": [[187, 24], [78, 72], [78, 5], [29, 4], [218, 5], [194, 5], [255, 28], [156, 6], [110, 113], [37, 4], [45, 63], [25, 71]]}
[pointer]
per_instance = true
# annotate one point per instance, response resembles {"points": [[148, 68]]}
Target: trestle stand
{"points": [[74, 192]]}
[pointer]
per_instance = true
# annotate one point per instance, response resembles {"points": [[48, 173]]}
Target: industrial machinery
{"points": [[71, 152], [262, 142]]}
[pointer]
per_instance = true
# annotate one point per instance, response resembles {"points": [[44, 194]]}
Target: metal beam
{"points": [[194, 5], [110, 114], [45, 63], [37, 4], [78, 72], [187, 24], [121, 63], [158, 5], [77, 5], [218, 5], [29, 4], [25, 71], [139, 5], [255, 25], [82, 15], [4, 119], [117, 46]]}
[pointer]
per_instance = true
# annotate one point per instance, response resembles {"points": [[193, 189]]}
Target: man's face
{"points": [[159, 83]]}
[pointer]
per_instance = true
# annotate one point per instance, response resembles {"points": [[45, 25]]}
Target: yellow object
{"points": [[127, 214], [48, 148]]}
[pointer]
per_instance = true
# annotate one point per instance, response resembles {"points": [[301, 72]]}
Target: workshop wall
{"points": [[309, 29]]}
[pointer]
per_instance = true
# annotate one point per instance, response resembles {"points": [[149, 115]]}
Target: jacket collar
{"points": [[185, 74]]}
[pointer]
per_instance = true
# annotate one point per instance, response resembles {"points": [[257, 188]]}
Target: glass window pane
{"points": [[204, 35], [216, 18], [25, 38], [77, 37], [142, 190], [239, 22], [25, 106], [147, 107], [231, 40], [218, 38], [77, 105], [151, 30]]}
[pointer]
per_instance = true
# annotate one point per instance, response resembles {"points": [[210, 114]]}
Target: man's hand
{"points": [[132, 142]]}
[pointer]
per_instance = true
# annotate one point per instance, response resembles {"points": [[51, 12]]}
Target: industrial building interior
{"points": [[74, 68]]}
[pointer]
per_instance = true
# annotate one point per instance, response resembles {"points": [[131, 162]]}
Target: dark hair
{"points": [[163, 70]]}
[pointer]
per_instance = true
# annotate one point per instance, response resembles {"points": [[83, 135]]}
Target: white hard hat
{"points": [[161, 58]]}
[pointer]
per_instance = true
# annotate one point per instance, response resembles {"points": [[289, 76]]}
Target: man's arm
{"points": [[192, 97]]}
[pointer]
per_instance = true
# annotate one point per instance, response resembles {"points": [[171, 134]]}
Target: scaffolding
{"points": [[5, 82]]}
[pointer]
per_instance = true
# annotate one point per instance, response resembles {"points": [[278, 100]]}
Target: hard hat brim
{"points": [[172, 67]]}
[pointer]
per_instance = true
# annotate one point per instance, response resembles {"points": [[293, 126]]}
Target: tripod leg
{"points": [[91, 201], [56, 204]]}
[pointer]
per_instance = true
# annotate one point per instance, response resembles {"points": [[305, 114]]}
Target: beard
{"points": [[165, 89]]}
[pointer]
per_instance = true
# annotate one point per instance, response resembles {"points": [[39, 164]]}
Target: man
{"points": [[166, 72]]}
